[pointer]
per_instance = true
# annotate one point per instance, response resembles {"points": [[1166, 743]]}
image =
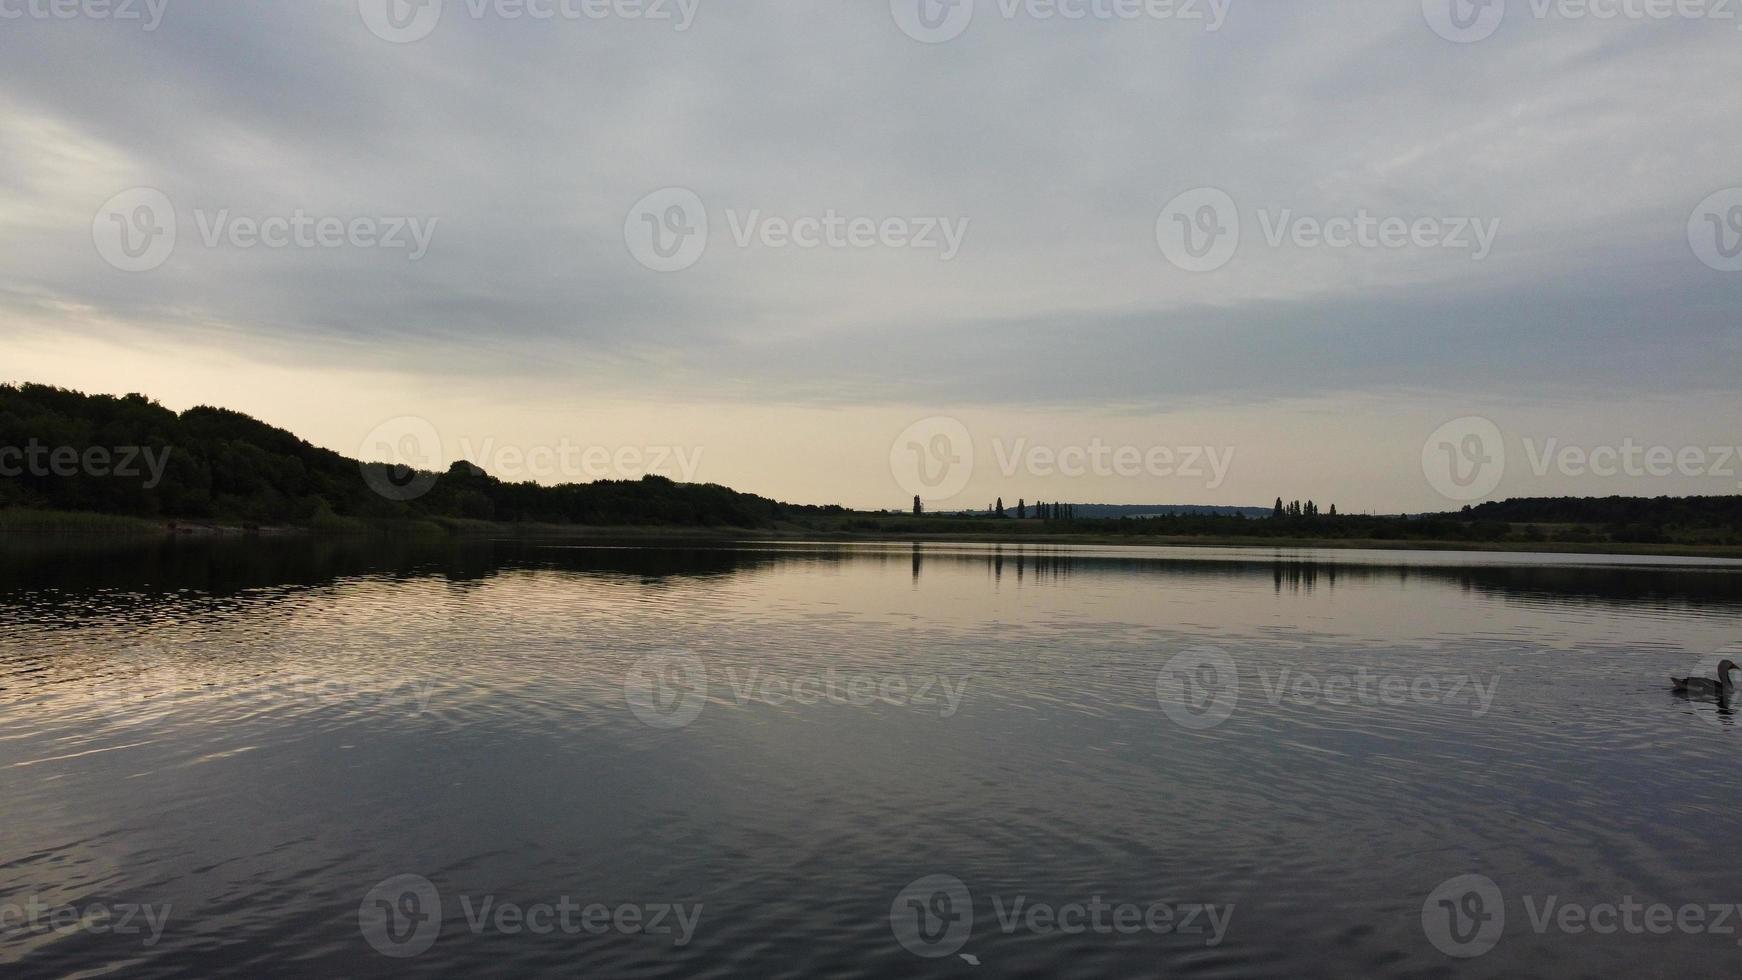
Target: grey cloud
{"points": [[531, 140]]}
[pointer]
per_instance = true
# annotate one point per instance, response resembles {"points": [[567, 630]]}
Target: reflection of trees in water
{"points": [[69, 572], [67, 576], [1301, 576], [1655, 586], [1024, 565], [1043, 567]]}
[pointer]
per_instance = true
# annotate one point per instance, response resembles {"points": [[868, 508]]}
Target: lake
{"points": [[375, 758]]}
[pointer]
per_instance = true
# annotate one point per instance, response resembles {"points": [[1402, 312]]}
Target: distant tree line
{"points": [[1524, 521], [1042, 512], [1297, 509], [1024, 510]]}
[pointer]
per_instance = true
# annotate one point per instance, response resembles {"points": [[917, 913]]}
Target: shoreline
{"points": [[38, 524], [1325, 544]]}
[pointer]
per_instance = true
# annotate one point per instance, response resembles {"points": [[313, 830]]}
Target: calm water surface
{"points": [[510, 759]]}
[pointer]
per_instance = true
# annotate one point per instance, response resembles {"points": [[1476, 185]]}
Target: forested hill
{"points": [[130, 455], [1680, 511]]}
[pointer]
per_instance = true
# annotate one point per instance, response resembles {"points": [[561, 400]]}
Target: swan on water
{"points": [[1723, 686]]}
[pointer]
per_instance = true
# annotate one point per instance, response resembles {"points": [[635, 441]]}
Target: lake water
{"points": [[319, 758]]}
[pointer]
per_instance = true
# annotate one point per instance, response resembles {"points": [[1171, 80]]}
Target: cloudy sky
{"points": [[1387, 253]]}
